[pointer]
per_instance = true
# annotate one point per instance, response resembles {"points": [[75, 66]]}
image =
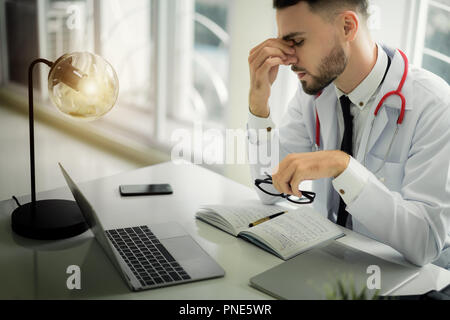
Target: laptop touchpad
{"points": [[183, 248]]}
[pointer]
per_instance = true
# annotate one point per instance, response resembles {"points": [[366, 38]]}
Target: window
{"points": [[198, 62], [171, 56], [126, 38], [209, 95], [433, 47], [68, 27], [126, 42]]}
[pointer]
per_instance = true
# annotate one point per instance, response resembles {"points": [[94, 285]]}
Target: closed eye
{"points": [[298, 43]]}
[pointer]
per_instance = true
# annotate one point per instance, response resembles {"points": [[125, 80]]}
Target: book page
{"points": [[239, 216], [295, 232]]}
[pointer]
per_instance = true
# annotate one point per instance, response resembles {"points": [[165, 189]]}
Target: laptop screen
{"points": [[94, 223], [85, 207]]}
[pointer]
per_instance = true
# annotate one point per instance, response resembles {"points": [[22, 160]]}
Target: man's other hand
{"points": [[299, 167]]}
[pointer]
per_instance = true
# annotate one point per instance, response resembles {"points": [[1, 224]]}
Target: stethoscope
{"points": [[398, 93]]}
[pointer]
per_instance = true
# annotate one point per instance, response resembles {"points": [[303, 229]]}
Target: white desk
{"points": [[37, 269]]}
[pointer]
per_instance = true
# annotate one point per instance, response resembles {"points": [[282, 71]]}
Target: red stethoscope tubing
{"points": [[397, 92]]}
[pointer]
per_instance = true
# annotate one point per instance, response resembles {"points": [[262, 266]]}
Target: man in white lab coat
{"points": [[393, 186]]}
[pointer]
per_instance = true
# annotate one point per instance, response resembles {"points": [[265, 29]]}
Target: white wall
{"points": [[392, 28]]}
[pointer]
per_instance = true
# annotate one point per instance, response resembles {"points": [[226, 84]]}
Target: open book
{"points": [[285, 236]]}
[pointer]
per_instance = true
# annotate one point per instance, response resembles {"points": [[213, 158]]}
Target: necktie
{"points": [[347, 147]]}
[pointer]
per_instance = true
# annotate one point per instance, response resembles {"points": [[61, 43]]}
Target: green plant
{"points": [[345, 289]]}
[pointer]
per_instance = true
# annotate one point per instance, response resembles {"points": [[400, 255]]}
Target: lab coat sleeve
{"points": [[352, 181], [416, 220], [268, 144]]}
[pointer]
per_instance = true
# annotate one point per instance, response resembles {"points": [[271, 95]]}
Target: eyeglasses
{"points": [[266, 186]]}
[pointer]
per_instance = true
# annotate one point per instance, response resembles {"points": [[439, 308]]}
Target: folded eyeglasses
{"points": [[266, 186]]}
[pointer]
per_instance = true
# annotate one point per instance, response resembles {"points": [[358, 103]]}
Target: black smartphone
{"points": [[145, 190]]}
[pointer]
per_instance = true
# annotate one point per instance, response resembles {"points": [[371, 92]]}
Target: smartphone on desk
{"points": [[145, 190]]}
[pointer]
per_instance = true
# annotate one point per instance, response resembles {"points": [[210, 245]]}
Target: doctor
{"points": [[386, 175]]}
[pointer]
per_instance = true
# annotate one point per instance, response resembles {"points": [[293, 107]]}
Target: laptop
{"points": [[314, 274], [149, 256]]}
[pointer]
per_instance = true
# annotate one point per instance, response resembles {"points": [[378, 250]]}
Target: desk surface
{"points": [[37, 269]]}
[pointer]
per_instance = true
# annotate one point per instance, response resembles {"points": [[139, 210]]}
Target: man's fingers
{"points": [[285, 46], [295, 182], [284, 176], [263, 58], [267, 65], [282, 187], [276, 186], [287, 168], [288, 174], [258, 59], [286, 188]]}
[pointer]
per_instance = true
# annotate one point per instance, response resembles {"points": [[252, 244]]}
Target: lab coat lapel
{"points": [[367, 142], [326, 108], [391, 83]]}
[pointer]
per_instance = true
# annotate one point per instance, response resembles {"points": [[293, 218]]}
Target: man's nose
{"points": [[292, 59]]}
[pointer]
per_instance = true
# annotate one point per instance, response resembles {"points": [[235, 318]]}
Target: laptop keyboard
{"points": [[147, 258]]}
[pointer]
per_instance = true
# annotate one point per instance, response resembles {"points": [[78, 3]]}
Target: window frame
{"points": [[4, 72], [422, 22]]}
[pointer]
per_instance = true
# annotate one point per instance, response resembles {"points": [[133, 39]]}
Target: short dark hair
{"points": [[319, 6]]}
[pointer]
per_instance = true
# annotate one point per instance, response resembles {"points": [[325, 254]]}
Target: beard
{"points": [[330, 68]]}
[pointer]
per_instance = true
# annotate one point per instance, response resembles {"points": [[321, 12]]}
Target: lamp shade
{"points": [[83, 85]]}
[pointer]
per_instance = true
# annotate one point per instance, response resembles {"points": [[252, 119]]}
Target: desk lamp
{"points": [[84, 86]]}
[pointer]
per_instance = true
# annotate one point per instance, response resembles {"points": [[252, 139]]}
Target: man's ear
{"points": [[348, 23]]}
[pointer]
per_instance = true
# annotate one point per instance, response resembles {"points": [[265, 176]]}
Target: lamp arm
{"points": [[31, 123]]}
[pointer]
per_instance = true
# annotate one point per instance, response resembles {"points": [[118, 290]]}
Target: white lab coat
{"points": [[407, 204]]}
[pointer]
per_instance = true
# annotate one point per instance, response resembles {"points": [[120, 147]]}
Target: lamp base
{"points": [[48, 220]]}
